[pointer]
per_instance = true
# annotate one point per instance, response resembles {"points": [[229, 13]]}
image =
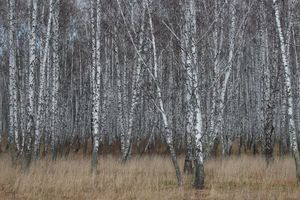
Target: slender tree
{"points": [[160, 106], [41, 102], [125, 145], [55, 80], [31, 84], [96, 70], [288, 84], [13, 116]]}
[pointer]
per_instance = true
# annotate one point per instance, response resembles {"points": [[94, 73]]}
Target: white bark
{"points": [[13, 117], [218, 37], [194, 115], [288, 84], [187, 55], [96, 70], [23, 108], [169, 138], [125, 140], [125, 145], [32, 65], [42, 86], [220, 120], [55, 83]]}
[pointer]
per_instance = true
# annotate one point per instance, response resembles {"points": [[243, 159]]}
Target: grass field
{"points": [[148, 177]]}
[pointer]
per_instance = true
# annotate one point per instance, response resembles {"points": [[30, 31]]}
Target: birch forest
{"points": [[191, 85]]}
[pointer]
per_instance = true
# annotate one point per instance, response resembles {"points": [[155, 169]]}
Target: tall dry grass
{"points": [[148, 177]]}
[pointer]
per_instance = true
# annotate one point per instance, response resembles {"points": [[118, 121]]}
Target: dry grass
{"points": [[148, 178]]}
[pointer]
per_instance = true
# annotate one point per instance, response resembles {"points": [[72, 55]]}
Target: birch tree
{"points": [[32, 66], [160, 106], [226, 141], [148, 77], [125, 146], [195, 116], [218, 37], [41, 102], [13, 117], [288, 84], [271, 83], [55, 83], [96, 70], [187, 55]]}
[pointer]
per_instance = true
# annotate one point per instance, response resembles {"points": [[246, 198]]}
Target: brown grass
{"points": [[148, 177]]}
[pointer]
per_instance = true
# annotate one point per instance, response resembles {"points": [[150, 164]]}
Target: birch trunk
{"points": [[218, 45], [96, 67], [121, 116], [55, 83], [42, 86], [225, 138], [168, 134], [135, 93], [188, 34], [23, 107], [192, 98], [288, 84], [298, 71], [32, 66], [271, 83], [195, 115], [13, 117]]}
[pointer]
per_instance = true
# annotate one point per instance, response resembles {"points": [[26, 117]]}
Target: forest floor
{"points": [[148, 177]]}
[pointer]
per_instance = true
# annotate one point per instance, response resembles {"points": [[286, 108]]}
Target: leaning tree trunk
{"points": [[168, 134], [126, 138], [288, 84]]}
